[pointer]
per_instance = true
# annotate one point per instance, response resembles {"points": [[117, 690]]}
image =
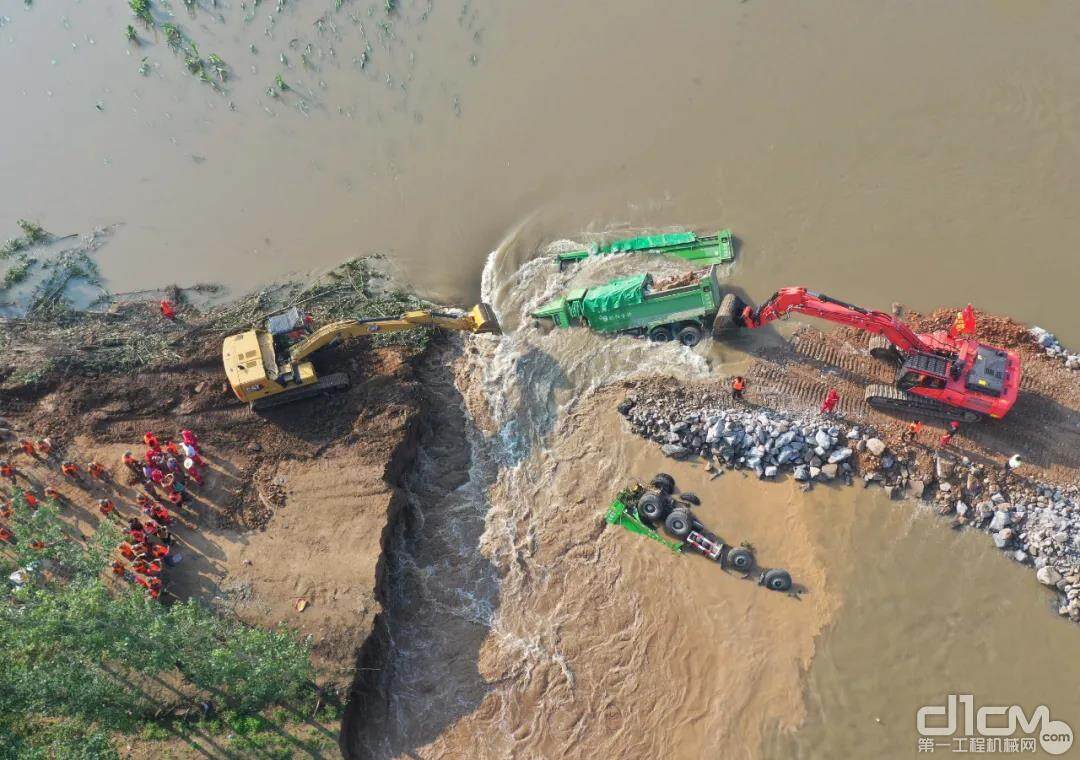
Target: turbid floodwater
{"points": [[882, 152]]}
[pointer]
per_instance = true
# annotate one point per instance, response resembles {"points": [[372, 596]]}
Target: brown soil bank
{"points": [[298, 503]]}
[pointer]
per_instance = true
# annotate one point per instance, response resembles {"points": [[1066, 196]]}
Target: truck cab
{"points": [[565, 311]]}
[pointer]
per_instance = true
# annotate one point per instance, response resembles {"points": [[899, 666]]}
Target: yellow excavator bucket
{"points": [[484, 321]]}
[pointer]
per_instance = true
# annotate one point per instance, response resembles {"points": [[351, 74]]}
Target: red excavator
{"points": [[940, 375]]}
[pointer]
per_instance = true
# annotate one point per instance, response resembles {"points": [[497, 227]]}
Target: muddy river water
{"points": [[877, 151], [888, 151]]}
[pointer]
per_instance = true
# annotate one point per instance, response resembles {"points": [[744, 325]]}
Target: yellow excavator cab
{"points": [[258, 377]]}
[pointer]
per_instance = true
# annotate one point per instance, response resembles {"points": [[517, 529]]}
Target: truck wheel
{"points": [[679, 523], [664, 483], [690, 498], [660, 334], [690, 336], [740, 559], [776, 580], [729, 316], [653, 508]]}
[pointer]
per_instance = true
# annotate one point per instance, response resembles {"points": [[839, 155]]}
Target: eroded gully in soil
{"points": [[419, 674]]}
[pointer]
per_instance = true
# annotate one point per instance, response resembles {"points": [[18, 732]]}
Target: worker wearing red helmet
{"points": [[832, 398]]}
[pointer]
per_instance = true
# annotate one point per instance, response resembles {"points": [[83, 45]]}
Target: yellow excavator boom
{"points": [[480, 319], [258, 377]]}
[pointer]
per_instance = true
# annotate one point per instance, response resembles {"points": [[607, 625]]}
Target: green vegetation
{"points": [[173, 36], [356, 289], [33, 234], [132, 336], [391, 6], [193, 60], [130, 34], [50, 302], [141, 9], [218, 66], [18, 271], [84, 656], [33, 231], [279, 82]]}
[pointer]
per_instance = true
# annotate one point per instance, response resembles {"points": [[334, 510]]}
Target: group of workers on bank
{"points": [[165, 474]]}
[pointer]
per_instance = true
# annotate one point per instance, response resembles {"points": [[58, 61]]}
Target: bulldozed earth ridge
{"points": [[1043, 427]]}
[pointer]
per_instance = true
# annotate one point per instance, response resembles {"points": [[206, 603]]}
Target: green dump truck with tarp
{"points": [[703, 250], [681, 307]]}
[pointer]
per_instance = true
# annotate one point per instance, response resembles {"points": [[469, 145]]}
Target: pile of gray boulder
{"points": [[1054, 349], [1035, 523], [766, 442]]}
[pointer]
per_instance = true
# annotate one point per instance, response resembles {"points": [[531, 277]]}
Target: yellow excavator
{"points": [[257, 377]]}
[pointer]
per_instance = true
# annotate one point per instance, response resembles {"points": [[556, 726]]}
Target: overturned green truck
{"points": [[681, 307], [699, 249]]}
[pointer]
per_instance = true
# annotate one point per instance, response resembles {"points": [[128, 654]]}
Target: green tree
{"points": [[92, 655]]}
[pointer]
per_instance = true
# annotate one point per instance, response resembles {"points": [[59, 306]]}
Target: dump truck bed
{"points": [[633, 303]]}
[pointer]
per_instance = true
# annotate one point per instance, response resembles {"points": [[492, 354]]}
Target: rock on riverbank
{"points": [[1037, 524], [1053, 348]]}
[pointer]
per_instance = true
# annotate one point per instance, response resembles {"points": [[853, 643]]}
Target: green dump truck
{"points": [[702, 250], [680, 308]]}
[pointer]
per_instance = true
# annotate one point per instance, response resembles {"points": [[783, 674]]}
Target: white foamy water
{"points": [[445, 582]]}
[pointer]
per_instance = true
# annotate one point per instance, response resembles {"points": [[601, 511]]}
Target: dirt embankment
{"points": [[297, 504]]}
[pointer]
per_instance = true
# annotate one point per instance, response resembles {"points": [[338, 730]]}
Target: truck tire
{"points": [[776, 580], [653, 508], [663, 483], [661, 334], [690, 498], [729, 316], [679, 523], [740, 559], [689, 336]]}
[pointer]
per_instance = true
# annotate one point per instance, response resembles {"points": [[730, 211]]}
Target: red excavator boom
{"points": [[940, 375], [820, 305]]}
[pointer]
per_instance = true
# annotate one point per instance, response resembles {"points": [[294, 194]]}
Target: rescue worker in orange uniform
{"points": [[912, 431], [738, 385]]}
